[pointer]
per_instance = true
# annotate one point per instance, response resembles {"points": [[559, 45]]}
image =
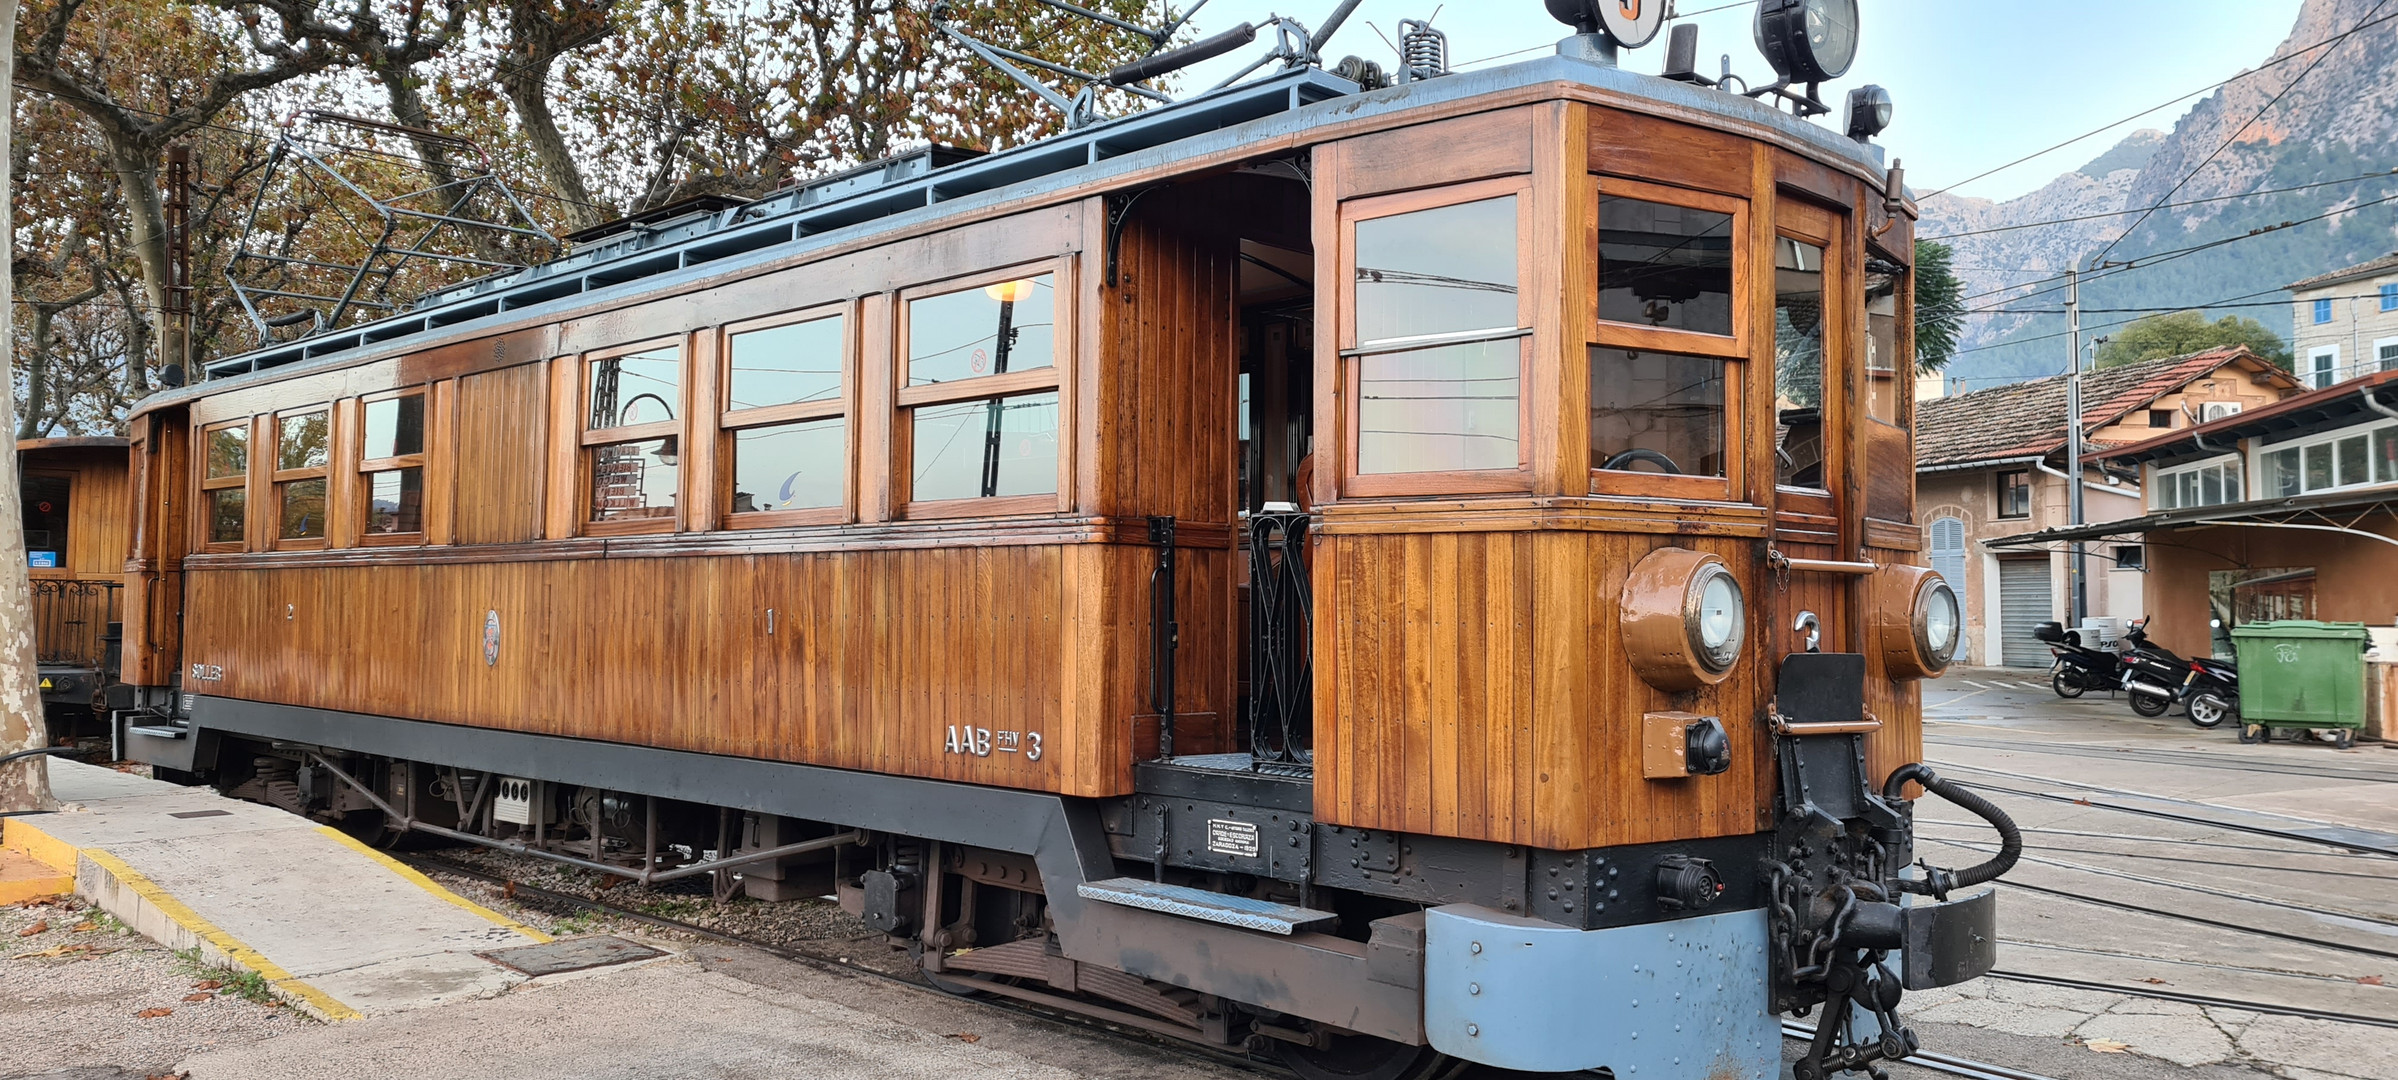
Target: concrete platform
{"points": [[338, 929]]}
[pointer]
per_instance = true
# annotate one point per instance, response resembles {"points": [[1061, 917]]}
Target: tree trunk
{"points": [[37, 371], [136, 166], [24, 785], [528, 88]]}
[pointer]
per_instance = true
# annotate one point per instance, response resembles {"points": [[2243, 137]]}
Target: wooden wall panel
{"points": [[1477, 687], [499, 451], [872, 656]]}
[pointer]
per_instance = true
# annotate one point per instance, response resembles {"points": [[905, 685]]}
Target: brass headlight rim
{"points": [[1694, 593]]}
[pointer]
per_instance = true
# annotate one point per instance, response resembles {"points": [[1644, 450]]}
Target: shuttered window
{"points": [[1948, 560]]}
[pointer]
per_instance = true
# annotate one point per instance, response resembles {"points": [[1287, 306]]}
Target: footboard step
{"points": [[1215, 907]]}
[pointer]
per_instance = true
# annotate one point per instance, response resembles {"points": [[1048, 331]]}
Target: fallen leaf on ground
{"points": [[208, 984], [2371, 980], [63, 950], [508, 889], [201, 996], [2081, 802], [967, 1037], [86, 926], [153, 1014], [34, 929], [2108, 1046], [2153, 981]]}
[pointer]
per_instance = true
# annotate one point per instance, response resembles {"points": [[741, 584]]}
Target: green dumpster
{"points": [[2299, 673]]}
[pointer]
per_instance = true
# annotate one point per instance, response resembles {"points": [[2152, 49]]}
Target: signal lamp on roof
{"points": [[1868, 112], [1808, 41]]}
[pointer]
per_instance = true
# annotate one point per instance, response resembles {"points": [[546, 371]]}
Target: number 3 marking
{"points": [[1033, 753]]}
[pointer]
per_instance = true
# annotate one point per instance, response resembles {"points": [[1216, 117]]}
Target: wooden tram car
{"points": [[76, 534], [929, 536]]}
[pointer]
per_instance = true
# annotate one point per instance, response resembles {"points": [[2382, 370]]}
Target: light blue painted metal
{"points": [[779, 226], [1215, 907], [1662, 1001]]}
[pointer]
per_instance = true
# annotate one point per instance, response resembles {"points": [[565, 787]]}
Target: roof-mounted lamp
{"points": [[1809, 41], [1603, 26], [1868, 112]]}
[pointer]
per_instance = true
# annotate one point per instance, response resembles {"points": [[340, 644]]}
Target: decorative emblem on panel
{"points": [[491, 638]]}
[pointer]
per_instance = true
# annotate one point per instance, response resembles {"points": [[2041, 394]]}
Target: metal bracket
{"points": [[1119, 211]]}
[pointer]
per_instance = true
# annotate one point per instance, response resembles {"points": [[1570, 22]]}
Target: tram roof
{"points": [[914, 190]]}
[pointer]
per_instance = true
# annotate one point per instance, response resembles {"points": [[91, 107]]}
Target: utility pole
{"points": [[2077, 582], [174, 343], [24, 784]]}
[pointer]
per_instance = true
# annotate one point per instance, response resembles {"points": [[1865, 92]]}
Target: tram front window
{"points": [[1665, 266], [1656, 412], [1798, 364], [1886, 386], [1440, 354]]}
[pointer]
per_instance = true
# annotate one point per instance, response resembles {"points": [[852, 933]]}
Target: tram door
{"points": [[1811, 335]]}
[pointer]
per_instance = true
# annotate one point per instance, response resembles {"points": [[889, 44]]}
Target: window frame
{"points": [[1825, 227], [1998, 495], [2385, 354], [205, 505], [589, 439], [1903, 337], [367, 467], [278, 476], [2166, 479], [2389, 295], [2307, 376], [843, 406], [1056, 378], [2371, 433], [1733, 350], [2322, 311]]}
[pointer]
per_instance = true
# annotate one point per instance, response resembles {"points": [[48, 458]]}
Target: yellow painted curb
{"points": [[323, 1004], [45, 849], [429, 885]]}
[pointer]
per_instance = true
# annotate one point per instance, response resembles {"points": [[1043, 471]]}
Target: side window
{"points": [[2015, 494], [1435, 340], [632, 445], [391, 461], [1666, 347], [1799, 354], [786, 437], [1889, 375], [978, 396], [225, 449], [45, 504], [303, 457]]}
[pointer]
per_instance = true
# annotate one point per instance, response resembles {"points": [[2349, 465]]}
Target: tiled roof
{"points": [[2363, 269], [2028, 418]]}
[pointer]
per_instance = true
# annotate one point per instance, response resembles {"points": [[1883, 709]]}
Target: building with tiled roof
{"points": [[1992, 463], [2345, 323]]}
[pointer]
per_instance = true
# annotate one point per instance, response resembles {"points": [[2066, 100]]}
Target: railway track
{"points": [[2345, 839], [1944, 1064], [2195, 759]]}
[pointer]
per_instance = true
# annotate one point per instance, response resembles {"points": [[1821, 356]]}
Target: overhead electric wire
{"points": [[2386, 173], [2258, 70], [2228, 140]]}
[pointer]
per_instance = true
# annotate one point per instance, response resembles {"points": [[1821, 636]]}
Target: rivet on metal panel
{"points": [[1473, 988], [1477, 947], [1473, 1029]]}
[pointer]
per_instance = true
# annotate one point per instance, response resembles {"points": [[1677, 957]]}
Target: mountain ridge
{"points": [[2337, 110]]}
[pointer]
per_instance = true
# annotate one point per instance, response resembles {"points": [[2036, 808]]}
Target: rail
{"points": [[71, 618]]}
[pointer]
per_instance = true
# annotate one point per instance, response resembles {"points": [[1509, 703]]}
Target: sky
{"points": [[1976, 85]]}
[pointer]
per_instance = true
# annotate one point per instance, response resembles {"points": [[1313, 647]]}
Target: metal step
{"points": [[158, 731], [1215, 907]]}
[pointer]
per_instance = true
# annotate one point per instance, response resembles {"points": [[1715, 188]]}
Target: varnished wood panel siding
{"points": [[871, 657], [500, 454], [1477, 687]]}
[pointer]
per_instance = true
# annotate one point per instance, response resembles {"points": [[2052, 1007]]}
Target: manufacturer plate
{"points": [[1236, 838]]}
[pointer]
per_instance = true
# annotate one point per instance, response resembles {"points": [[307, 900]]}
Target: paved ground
{"points": [[2337, 910], [708, 1011]]}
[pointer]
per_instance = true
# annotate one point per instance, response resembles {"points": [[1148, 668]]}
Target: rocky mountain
{"points": [[2335, 122]]}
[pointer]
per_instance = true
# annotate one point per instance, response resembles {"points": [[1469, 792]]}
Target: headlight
{"points": [[1917, 622], [1716, 616], [1684, 619], [1937, 622]]}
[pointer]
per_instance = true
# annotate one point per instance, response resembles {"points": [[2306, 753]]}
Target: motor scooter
{"points": [[2157, 679], [2078, 668]]}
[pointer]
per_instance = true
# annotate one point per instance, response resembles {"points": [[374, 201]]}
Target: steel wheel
{"points": [[2067, 683], [2150, 704], [1364, 1057], [2208, 710]]}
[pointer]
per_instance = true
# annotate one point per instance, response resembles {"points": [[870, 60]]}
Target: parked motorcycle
{"points": [[2157, 679], [2078, 668]]}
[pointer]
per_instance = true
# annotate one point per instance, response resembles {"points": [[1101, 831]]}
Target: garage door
{"points": [[2024, 601]]}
